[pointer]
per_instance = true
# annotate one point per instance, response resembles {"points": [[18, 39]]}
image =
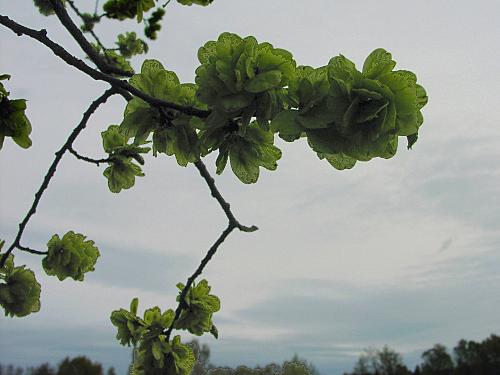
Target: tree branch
{"points": [[52, 170], [119, 86], [222, 202], [59, 51], [91, 32], [28, 250], [233, 224], [77, 34], [87, 159], [211, 252]]}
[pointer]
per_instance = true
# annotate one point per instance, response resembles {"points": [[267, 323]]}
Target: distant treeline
{"points": [[467, 358], [76, 366]]}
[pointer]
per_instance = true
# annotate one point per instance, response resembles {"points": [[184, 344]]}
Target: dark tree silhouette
{"points": [[79, 366], [437, 361], [380, 362]]}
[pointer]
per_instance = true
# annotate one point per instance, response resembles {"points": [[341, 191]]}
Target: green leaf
{"points": [[247, 152], [325, 141], [269, 156], [198, 2], [214, 331], [118, 61], [122, 171], [13, 120], [156, 349], [412, 139], [339, 161], [264, 81], [9, 262], [234, 103], [244, 162], [184, 144], [158, 320], [129, 45], [204, 53], [140, 123], [72, 256], [286, 125], [153, 23], [130, 327], [113, 138], [196, 316], [421, 97], [342, 68], [378, 63], [122, 9], [309, 88], [311, 121], [155, 80], [370, 110], [222, 158], [161, 139], [184, 359], [133, 306], [121, 174]]}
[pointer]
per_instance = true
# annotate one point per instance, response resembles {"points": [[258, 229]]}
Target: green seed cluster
{"points": [[70, 256], [19, 289], [154, 354], [199, 306]]}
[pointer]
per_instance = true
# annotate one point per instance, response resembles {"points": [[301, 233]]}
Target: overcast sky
{"points": [[403, 252]]}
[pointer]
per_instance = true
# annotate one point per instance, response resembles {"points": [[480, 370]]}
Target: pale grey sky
{"points": [[403, 252]]}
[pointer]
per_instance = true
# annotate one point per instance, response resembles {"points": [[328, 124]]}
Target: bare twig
{"points": [[91, 32], [77, 34], [87, 159], [211, 252], [31, 251], [217, 195], [52, 170], [233, 224], [41, 36]]}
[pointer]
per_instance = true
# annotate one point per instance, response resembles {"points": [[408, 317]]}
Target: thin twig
{"points": [[87, 159], [77, 34], [218, 196], [233, 224], [59, 51], [28, 250], [91, 32], [211, 252], [52, 169]]}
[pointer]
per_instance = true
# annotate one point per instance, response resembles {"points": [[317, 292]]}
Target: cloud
{"points": [[342, 260], [335, 329]]}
